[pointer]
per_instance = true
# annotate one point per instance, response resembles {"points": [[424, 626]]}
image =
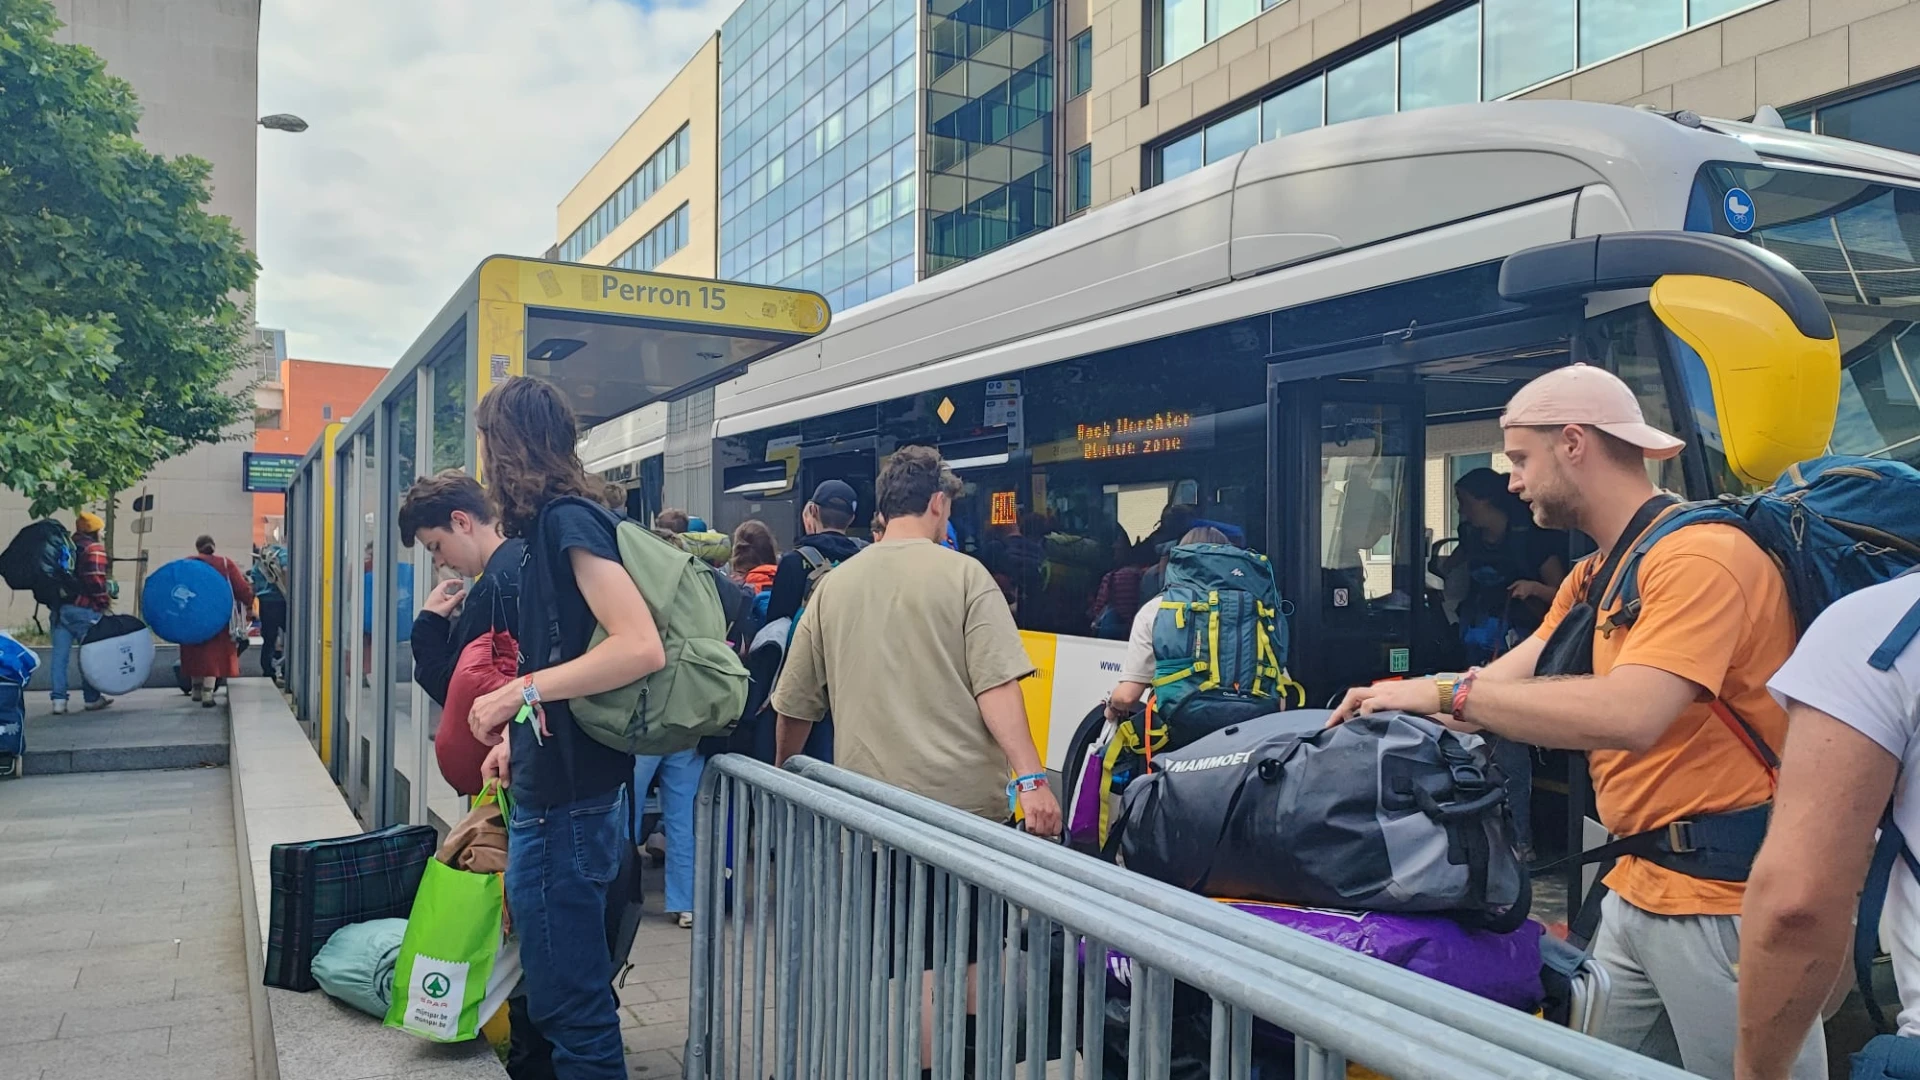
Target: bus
{"points": [[1308, 342]]}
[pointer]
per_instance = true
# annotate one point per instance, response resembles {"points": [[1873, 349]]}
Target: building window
{"points": [[820, 167], [1082, 160], [326, 412], [1611, 27], [661, 166], [1480, 52], [660, 242], [1080, 64], [989, 118], [1524, 42], [1185, 25], [1888, 117], [1439, 63], [266, 420]]}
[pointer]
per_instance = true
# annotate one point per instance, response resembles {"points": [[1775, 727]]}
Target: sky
{"points": [[443, 131]]}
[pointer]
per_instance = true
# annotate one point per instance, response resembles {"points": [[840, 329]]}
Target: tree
{"points": [[123, 313]]}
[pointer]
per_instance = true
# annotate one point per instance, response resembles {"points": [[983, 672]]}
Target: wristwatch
{"points": [[1448, 684]]}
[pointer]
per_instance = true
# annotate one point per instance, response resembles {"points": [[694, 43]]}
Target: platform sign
{"points": [[268, 473]]}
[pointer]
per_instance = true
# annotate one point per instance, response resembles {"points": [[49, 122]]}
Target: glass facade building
{"points": [[1476, 52], [990, 111], [841, 173], [819, 159]]}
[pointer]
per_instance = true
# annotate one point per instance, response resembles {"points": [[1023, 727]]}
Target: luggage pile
{"points": [[17, 664], [1389, 835]]}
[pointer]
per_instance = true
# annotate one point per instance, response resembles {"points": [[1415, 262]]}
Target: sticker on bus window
{"points": [[1398, 660], [1740, 210]]}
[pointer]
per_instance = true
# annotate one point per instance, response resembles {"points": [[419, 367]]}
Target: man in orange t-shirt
{"points": [[1714, 625]]}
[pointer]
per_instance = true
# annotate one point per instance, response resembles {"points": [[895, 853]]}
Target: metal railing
{"points": [[817, 909], [1550, 1044]]}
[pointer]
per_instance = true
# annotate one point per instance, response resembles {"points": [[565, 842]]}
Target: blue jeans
{"points": [[564, 859], [679, 788], [70, 626]]}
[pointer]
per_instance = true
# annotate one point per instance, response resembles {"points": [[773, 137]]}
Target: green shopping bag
{"points": [[447, 956]]}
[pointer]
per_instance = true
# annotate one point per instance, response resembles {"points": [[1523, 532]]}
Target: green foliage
{"points": [[122, 317]]}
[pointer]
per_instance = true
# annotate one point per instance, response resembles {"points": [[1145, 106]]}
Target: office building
{"points": [[300, 398], [649, 202], [1178, 84], [851, 164], [194, 66]]}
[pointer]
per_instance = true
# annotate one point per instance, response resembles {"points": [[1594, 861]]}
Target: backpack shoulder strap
{"points": [[1898, 638], [1891, 848], [811, 556]]}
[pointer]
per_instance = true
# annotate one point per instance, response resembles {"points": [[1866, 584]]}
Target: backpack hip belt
{"points": [[1712, 847]]}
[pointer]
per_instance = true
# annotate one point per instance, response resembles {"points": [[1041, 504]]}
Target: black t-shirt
{"points": [[791, 573], [555, 625], [492, 603], [1521, 554]]}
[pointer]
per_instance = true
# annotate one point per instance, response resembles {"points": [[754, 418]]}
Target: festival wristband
{"points": [[1020, 785], [1460, 693]]}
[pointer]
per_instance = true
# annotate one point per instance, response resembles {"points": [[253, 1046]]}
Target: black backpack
{"points": [[40, 560]]}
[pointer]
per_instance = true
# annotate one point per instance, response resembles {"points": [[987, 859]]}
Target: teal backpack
{"points": [[1220, 627], [702, 690]]}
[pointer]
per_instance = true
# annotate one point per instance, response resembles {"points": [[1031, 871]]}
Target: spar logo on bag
{"points": [[435, 1000]]}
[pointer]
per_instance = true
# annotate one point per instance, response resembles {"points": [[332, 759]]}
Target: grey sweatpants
{"points": [[1676, 990]]}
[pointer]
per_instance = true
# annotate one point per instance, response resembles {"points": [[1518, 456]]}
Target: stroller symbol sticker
{"points": [[435, 984]]}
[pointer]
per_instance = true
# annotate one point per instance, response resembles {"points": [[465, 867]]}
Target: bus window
{"points": [[1628, 342], [1858, 241]]}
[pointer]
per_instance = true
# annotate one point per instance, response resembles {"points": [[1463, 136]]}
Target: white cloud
{"points": [[443, 131]]}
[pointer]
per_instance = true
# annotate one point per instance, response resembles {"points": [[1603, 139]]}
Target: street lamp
{"points": [[283, 122]]}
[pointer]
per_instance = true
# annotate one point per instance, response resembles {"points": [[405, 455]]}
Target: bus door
{"points": [[1347, 526]]}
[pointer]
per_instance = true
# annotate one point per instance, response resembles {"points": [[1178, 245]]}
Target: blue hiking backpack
{"points": [[1835, 525], [1219, 626]]}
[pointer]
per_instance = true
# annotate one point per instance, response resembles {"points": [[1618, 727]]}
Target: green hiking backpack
{"points": [[702, 690]]}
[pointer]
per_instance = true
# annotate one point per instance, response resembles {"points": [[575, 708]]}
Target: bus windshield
{"points": [[1858, 240]]}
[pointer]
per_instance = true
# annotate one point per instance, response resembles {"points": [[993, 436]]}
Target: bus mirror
{"points": [[1775, 390]]}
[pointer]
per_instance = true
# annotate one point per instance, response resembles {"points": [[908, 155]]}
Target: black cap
{"points": [[835, 495]]}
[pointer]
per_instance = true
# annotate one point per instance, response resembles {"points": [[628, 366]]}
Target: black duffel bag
{"points": [[1388, 812]]}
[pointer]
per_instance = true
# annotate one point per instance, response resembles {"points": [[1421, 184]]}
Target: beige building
{"points": [[650, 202], [194, 65], [1179, 83]]}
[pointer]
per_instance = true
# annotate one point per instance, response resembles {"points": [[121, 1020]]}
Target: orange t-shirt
{"points": [[1713, 611]]}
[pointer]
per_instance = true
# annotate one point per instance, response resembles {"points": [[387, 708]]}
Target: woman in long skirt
{"points": [[218, 657]]}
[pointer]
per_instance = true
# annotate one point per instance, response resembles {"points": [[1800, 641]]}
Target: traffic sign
{"points": [[142, 525]]}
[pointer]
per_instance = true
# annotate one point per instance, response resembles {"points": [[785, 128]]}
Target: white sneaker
{"points": [[59, 706], [96, 706]]}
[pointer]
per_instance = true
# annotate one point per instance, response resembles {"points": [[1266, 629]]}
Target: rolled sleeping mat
{"points": [[187, 602], [117, 655]]}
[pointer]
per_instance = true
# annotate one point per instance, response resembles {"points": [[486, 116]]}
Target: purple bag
{"points": [[1501, 967]]}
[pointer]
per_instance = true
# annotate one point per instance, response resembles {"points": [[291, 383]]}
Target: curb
{"points": [[126, 759]]}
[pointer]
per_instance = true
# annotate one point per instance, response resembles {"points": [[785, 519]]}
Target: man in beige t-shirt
{"points": [[913, 648]]}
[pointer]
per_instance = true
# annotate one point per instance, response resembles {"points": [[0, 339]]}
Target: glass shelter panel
{"points": [[408, 745]]}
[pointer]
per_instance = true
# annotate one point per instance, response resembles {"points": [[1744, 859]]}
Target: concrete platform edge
{"points": [[282, 793]]}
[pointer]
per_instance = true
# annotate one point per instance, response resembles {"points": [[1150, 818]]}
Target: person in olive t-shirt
{"points": [[916, 649], [915, 646]]}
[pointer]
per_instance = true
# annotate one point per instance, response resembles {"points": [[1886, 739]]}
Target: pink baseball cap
{"points": [[1581, 394]]}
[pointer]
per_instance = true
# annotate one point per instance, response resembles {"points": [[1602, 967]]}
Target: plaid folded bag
{"points": [[320, 886]]}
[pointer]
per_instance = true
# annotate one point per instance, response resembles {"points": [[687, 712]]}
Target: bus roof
{"points": [[1232, 238]]}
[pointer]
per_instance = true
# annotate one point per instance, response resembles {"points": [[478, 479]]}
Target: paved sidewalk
{"points": [[147, 729], [120, 935], [653, 1004]]}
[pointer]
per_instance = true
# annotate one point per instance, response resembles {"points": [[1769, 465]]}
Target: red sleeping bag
{"points": [[489, 662]]}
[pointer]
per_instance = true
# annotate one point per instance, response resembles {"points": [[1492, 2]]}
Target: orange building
{"points": [[290, 414]]}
